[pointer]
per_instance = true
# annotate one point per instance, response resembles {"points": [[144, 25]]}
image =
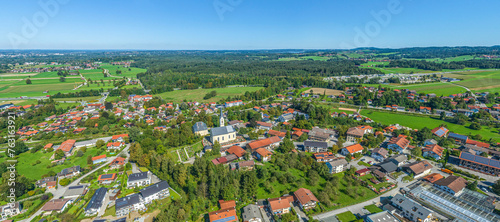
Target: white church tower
{"points": [[221, 120]]}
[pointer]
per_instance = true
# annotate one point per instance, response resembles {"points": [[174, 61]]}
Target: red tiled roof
{"points": [[98, 157], [304, 196], [264, 142], [354, 148], [67, 145], [236, 150]]}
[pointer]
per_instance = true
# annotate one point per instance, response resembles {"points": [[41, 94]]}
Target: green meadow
{"points": [[419, 122], [198, 94]]}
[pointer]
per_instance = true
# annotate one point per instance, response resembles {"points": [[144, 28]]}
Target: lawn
{"points": [[364, 164], [198, 94], [25, 161], [347, 216], [373, 209], [419, 122], [89, 98]]}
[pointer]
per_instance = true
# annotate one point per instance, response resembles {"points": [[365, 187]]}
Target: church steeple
{"points": [[221, 120]]}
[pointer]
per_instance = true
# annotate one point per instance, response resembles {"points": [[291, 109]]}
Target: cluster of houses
{"points": [[257, 212]]}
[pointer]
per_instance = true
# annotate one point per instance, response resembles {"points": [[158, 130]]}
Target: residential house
{"points": [[440, 131], [319, 134], [418, 169], [156, 191], [130, 203], [252, 213], [280, 205], [324, 157], [286, 117], [381, 216], [223, 215], [139, 179], [106, 178], [262, 154], [430, 142], [96, 202], [99, 159], [44, 181], [67, 147], [75, 191], [119, 138], [433, 150], [200, 129], [352, 149], [354, 134], [305, 199], [379, 154], [388, 167], [236, 150], [315, 146], [10, 210], [454, 185], [115, 145], [411, 209], [337, 166], [398, 144], [399, 159], [56, 205], [117, 162], [264, 125], [69, 172]]}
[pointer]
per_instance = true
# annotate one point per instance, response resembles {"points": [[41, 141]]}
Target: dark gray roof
{"points": [[337, 162], [153, 189], [199, 126], [123, 219], [221, 130], [400, 158], [388, 166], [74, 191], [251, 211], [127, 201], [138, 176], [383, 216], [316, 144], [97, 199], [406, 204], [69, 170]]}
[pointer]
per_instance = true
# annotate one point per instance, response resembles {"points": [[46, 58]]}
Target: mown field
{"points": [[419, 122], [198, 94], [480, 81]]}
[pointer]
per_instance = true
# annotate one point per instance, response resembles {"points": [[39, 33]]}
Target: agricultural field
{"points": [[198, 94], [327, 92], [479, 81], [419, 122]]}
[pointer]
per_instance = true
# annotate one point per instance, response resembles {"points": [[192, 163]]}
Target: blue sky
{"points": [[247, 24]]}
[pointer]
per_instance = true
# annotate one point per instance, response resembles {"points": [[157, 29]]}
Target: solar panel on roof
{"points": [[75, 187], [226, 219], [482, 160], [495, 163], [121, 203], [106, 176], [467, 156]]}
